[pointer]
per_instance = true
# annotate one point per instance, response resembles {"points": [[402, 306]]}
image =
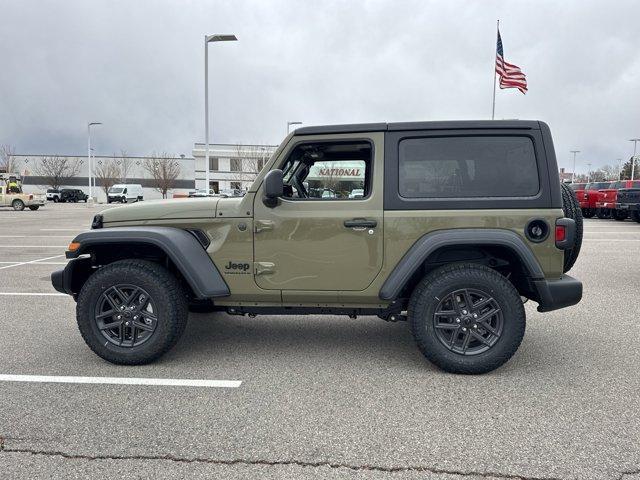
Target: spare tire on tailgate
{"points": [[571, 209]]}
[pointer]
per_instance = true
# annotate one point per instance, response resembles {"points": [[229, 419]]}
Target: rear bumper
{"points": [[628, 206], [556, 294]]}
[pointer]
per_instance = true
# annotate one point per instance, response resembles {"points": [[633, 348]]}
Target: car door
{"points": [[321, 242]]}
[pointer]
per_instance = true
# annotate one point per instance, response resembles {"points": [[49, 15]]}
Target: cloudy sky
{"points": [[137, 66]]}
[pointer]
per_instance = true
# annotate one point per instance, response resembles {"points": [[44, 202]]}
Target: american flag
{"points": [[510, 75]]}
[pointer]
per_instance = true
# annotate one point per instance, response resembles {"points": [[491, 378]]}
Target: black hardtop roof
{"points": [[443, 125]]}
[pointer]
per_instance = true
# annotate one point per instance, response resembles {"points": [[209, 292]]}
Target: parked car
{"points": [[589, 199], [201, 192], [125, 193], [72, 195], [53, 195], [19, 201], [629, 200], [448, 241], [608, 199]]}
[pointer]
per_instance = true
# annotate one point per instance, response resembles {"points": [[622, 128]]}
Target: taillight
{"points": [[561, 233], [586, 195], [30, 197]]}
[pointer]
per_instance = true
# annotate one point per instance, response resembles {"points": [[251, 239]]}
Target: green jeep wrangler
{"points": [[452, 226]]}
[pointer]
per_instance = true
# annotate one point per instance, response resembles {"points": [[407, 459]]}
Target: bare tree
{"points": [[55, 170], [107, 172], [626, 170], [610, 172], [8, 162], [164, 170], [126, 164], [250, 159]]}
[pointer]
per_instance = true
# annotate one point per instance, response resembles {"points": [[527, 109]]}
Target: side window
{"points": [[235, 165], [467, 167], [328, 171]]}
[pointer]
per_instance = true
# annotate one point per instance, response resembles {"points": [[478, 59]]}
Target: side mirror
{"points": [[273, 188]]}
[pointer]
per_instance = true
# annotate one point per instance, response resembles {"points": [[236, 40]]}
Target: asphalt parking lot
{"points": [[320, 397]]}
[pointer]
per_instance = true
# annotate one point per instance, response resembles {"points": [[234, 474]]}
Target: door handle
{"points": [[360, 223]]}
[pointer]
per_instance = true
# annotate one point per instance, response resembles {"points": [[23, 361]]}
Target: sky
{"points": [[137, 66]]}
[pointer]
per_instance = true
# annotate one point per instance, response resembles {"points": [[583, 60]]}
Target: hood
{"points": [[177, 208]]}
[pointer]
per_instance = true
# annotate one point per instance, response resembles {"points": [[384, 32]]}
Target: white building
{"points": [[231, 166], [28, 167]]}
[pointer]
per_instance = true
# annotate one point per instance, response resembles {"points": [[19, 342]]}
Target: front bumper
{"points": [[556, 294]]}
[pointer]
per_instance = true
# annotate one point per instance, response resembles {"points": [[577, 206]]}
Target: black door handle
{"points": [[360, 223]]}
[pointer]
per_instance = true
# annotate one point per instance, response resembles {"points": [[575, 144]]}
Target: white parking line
{"points": [[34, 246], [170, 382], [31, 261], [36, 294]]}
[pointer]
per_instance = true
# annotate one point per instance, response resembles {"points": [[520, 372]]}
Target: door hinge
{"points": [[262, 225], [264, 268]]}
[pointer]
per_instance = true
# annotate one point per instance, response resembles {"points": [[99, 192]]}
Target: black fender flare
{"points": [[182, 247], [429, 243]]}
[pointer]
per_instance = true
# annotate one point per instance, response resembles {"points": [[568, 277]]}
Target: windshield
{"points": [[115, 190], [577, 186], [598, 185]]}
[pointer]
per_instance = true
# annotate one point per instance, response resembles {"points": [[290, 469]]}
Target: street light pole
{"points": [[588, 173], [208, 39], [89, 125], [573, 173], [292, 123], [633, 159]]}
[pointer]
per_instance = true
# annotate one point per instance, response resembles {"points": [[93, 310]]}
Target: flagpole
{"points": [[493, 109]]}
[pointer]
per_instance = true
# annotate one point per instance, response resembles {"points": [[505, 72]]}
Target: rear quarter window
{"points": [[467, 167]]}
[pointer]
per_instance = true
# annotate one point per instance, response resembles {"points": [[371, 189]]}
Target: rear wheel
{"points": [[131, 312], [571, 209], [619, 215], [56, 199], [34, 207], [636, 215], [466, 318], [603, 213], [18, 205]]}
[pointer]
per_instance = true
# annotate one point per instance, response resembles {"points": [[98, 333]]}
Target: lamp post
{"points": [[89, 125], [633, 159], [573, 173], [292, 123], [588, 172], [208, 39]]}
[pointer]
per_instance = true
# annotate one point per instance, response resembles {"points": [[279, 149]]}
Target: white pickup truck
{"points": [[18, 201]]}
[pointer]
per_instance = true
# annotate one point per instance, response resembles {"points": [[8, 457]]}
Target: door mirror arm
{"points": [[273, 188]]}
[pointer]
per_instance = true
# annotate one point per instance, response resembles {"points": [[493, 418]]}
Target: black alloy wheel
{"points": [[125, 315], [468, 321]]}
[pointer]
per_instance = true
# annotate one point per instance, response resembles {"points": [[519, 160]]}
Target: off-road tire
{"points": [[441, 282], [169, 299], [34, 207], [571, 209], [17, 205], [619, 215]]}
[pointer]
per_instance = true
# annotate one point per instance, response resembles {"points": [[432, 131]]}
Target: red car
{"points": [[608, 197], [589, 198]]}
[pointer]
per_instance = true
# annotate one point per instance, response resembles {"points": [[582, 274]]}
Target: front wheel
{"points": [[466, 318], [55, 200], [131, 312], [588, 212], [636, 215]]}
